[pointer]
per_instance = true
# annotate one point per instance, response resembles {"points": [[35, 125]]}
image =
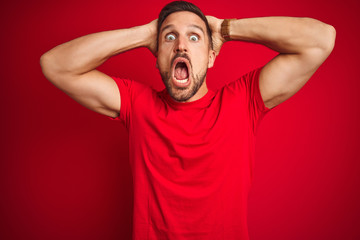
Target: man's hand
{"points": [[215, 27], [152, 42]]}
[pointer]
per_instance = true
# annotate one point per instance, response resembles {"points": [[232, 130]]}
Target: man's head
{"points": [[178, 6], [184, 50]]}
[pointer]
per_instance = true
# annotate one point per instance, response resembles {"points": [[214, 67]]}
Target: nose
{"points": [[181, 45]]}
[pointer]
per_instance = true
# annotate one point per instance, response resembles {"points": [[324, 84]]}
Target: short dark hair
{"points": [[178, 6]]}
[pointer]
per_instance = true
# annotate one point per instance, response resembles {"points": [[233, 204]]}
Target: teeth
{"points": [[182, 81]]}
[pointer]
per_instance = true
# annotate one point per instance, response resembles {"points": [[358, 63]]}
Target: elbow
{"points": [[43, 63], [325, 43], [332, 37], [47, 66], [44, 60], [329, 39]]}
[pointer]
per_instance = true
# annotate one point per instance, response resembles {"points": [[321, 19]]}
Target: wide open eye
{"points": [[170, 37], [194, 38]]}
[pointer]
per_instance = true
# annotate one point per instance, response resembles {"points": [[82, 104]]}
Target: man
{"points": [[191, 149]]}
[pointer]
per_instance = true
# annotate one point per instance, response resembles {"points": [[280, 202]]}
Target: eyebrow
{"points": [[192, 25]]}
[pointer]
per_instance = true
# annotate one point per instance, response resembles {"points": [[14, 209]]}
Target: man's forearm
{"points": [[283, 34], [88, 52]]}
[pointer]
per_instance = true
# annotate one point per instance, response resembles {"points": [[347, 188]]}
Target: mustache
{"points": [[182, 55]]}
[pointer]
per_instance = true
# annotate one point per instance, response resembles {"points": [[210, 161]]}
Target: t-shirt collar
{"points": [[199, 103]]}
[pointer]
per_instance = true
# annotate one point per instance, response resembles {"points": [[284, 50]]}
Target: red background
{"points": [[64, 171]]}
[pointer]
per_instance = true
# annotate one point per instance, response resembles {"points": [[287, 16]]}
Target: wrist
{"points": [[226, 29]]}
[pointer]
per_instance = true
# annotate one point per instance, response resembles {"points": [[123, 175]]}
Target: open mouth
{"points": [[181, 72]]}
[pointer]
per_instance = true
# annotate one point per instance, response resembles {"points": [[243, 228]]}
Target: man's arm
{"points": [[303, 45], [71, 66]]}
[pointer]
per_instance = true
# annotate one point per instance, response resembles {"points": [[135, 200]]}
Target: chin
{"points": [[182, 94]]}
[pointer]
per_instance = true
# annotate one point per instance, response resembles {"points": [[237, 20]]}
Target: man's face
{"points": [[184, 56]]}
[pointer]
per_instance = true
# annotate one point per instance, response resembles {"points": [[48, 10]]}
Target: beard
{"points": [[182, 94]]}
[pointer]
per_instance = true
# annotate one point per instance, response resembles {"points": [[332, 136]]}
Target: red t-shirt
{"points": [[192, 163]]}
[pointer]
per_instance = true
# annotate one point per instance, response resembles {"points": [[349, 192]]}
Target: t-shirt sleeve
{"points": [[248, 86], [257, 108], [125, 87]]}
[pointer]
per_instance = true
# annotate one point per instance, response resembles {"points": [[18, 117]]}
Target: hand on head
{"points": [[152, 42], [215, 27]]}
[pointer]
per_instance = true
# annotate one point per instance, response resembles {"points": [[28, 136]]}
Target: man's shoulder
{"points": [[133, 85], [243, 81]]}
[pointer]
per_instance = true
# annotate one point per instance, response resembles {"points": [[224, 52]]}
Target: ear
{"points": [[212, 57]]}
